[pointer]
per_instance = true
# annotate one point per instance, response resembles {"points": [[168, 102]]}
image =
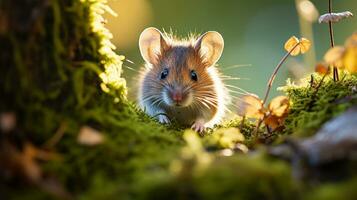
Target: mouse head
{"points": [[180, 70]]}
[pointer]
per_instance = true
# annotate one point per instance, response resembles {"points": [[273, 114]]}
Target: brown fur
{"points": [[180, 57], [180, 60]]}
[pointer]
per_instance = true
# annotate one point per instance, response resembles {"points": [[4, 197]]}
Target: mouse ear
{"points": [[210, 45], [152, 43]]}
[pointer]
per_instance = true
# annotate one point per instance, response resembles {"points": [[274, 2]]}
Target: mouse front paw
{"points": [[199, 126], [163, 119]]}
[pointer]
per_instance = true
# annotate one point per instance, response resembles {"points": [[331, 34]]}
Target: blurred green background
{"points": [[254, 32]]}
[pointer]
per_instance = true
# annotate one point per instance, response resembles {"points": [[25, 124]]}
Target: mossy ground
{"points": [[314, 104], [73, 80]]}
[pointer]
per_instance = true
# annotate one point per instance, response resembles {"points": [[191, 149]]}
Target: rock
{"points": [[336, 140], [330, 154]]}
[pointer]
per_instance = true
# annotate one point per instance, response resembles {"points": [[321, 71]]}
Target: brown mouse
{"points": [[180, 81]]}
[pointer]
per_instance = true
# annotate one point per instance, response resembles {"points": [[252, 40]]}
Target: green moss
{"points": [[58, 69], [344, 190], [237, 177], [73, 79], [312, 106]]}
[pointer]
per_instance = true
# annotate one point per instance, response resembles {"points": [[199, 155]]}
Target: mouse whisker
{"points": [[208, 98], [152, 99], [203, 103], [237, 92], [145, 99], [206, 95], [233, 78], [130, 68], [235, 66], [202, 100], [157, 101], [203, 86], [232, 86]]}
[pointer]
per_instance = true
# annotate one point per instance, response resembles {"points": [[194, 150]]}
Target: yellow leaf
{"points": [[251, 106], [350, 59], [352, 40], [274, 122], [290, 44], [279, 106], [350, 56], [334, 56], [299, 46], [305, 45]]}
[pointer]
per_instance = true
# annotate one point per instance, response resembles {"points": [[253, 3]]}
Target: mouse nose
{"points": [[177, 96]]}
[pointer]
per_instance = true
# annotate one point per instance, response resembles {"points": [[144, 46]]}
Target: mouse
{"points": [[180, 80]]}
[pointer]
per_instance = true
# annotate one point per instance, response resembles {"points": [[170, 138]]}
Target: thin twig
{"points": [[332, 41], [242, 123], [272, 77], [255, 133], [270, 83], [56, 137], [311, 80], [313, 97]]}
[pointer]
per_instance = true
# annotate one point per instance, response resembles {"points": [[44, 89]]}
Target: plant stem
{"points": [[272, 77], [332, 41], [270, 83], [242, 123], [315, 92]]}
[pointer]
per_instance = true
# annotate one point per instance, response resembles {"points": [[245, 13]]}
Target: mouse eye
{"points": [[193, 75], [164, 74]]}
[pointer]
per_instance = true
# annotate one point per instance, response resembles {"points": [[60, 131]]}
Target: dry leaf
{"points": [[279, 106], [278, 111], [334, 17], [29, 163], [334, 56], [305, 45], [344, 57], [290, 44], [322, 69], [274, 122], [351, 41], [350, 59], [251, 106], [89, 136], [300, 46], [25, 162]]}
